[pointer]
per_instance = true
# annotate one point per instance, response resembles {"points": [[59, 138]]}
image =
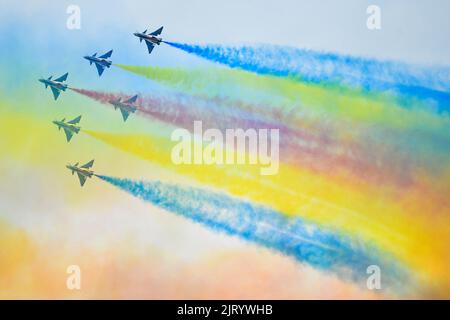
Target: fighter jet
{"points": [[69, 127], [150, 38], [126, 107], [56, 85], [101, 62], [83, 172]]}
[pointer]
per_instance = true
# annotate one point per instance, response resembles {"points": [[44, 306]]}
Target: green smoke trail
{"points": [[341, 111], [296, 99]]}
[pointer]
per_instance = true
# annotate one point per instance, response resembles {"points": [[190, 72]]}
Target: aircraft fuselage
{"points": [[124, 106], [148, 37], [55, 84], [67, 126], [85, 172], [101, 61]]}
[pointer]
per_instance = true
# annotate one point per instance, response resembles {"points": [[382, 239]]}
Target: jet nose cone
{"points": [[136, 34], [41, 80]]}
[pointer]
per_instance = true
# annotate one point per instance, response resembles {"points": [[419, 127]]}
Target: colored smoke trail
{"points": [[393, 220], [392, 172], [301, 148], [350, 151], [318, 67], [182, 110], [422, 252], [401, 225], [311, 106], [375, 124], [323, 250], [295, 100], [213, 82]]}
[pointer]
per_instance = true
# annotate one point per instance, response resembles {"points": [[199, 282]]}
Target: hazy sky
{"points": [[39, 194], [412, 30]]}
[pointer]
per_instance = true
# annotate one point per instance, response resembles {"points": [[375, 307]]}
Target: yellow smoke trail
{"points": [[411, 236]]}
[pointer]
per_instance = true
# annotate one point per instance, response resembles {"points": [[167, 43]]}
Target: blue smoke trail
{"points": [[291, 236], [317, 67]]}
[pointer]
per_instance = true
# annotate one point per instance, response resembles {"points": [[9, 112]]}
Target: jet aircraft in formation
{"points": [[101, 62], [57, 85], [126, 107], [70, 127], [83, 171], [151, 39]]}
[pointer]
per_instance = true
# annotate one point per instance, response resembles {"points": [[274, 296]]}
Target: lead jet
{"points": [[69, 127], [101, 62], [150, 38], [126, 107], [83, 172], [56, 85]]}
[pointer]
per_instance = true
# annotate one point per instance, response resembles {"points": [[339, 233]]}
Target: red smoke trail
{"points": [[317, 152]]}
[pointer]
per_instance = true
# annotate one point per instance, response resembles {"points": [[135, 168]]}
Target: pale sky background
{"points": [[412, 30], [35, 43]]}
